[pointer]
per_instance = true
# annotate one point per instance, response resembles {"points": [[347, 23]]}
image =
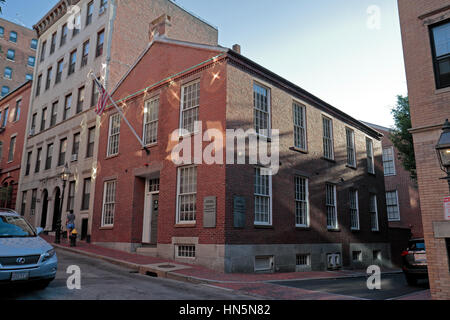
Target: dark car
{"points": [[414, 259]]}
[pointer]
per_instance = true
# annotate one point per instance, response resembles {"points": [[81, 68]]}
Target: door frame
{"points": [[148, 214]]}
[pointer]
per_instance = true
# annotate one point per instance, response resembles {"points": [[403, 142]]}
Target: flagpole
{"points": [[91, 74]]}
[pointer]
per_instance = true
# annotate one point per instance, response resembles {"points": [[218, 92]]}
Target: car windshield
{"points": [[15, 227], [418, 246]]}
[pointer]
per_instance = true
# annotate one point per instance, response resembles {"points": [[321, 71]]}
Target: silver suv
{"points": [[24, 256]]}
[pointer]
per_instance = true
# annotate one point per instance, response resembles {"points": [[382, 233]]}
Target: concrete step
{"points": [[147, 251]]}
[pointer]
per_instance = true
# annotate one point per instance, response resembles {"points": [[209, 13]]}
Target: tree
{"points": [[402, 138]]}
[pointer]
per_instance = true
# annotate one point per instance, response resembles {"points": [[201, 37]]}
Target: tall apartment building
{"points": [[324, 209], [13, 119], [425, 26], [18, 47], [75, 38]]}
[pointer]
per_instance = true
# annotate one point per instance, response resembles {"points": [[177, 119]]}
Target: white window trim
{"points": [[372, 158], [353, 165], [109, 154], [148, 102], [393, 162], [308, 222], [269, 110], [178, 221], [357, 213], [398, 207], [331, 138], [258, 223], [182, 111], [105, 185], [177, 251], [303, 109]]}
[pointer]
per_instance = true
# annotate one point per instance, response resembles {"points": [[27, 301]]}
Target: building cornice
{"points": [[58, 11]]}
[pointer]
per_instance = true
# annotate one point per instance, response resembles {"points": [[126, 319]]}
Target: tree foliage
{"points": [[402, 138]]}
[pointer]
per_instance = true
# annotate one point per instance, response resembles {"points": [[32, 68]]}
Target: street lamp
{"points": [[65, 175], [443, 150]]}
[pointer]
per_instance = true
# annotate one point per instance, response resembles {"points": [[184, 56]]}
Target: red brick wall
{"points": [[429, 108], [10, 170]]}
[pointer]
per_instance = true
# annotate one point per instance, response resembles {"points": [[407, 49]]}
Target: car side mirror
{"points": [[39, 231]]}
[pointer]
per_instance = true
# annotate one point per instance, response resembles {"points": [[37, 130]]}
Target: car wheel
{"points": [[412, 281]]}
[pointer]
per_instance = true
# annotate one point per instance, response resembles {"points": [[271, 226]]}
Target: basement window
{"points": [[185, 251], [303, 260], [357, 256], [263, 263], [376, 255]]}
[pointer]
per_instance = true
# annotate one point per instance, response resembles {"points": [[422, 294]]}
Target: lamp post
{"points": [[65, 175], [443, 151]]}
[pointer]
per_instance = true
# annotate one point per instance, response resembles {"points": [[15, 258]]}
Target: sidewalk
{"points": [[256, 284]]}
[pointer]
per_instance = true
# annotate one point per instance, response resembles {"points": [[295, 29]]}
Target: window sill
{"points": [[351, 167], [356, 230], [372, 174], [112, 156], [298, 228], [442, 90], [186, 226], [334, 230], [329, 160], [107, 228], [262, 226], [299, 150]]}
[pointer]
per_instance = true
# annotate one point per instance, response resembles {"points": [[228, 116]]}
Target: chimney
{"points": [[159, 27], [237, 48]]}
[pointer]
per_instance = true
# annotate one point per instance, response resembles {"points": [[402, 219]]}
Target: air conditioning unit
{"points": [[74, 157]]}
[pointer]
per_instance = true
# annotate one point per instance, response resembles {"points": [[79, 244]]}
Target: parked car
{"points": [[414, 259], [24, 255]]}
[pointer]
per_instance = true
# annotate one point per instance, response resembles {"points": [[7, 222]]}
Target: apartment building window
{"points": [[5, 118], [89, 13], [8, 73], [103, 6], [263, 197], [13, 36], [28, 167], [356, 256], [351, 150], [440, 35], [300, 126], [328, 144], [43, 119], [84, 58], [31, 61], [67, 106], [38, 85], [76, 147], [303, 260], [95, 94], [114, 135], [2, 32], [301, 202], [187, 195], [261, 104], [190, 105], [86, 194], [73, 61], [59, 71], [64, 32], [109, 203], [24, 203], [11, 55], [90, 143], [71, 196], [33, 202], [373, 210], [49, 158], [80, 99], [100, 42], [17, 111], [5, 90], [34, 44], [37, 167], [53, 43], [332, 220], [49, 78], [392, 206], [33, 124], [28, 77], [151, 111], [370, 157], [12, 149], [62, 152], [354, 210], [76, 25], [389, 162], [54, 114], [185, 251], [43, 48]]}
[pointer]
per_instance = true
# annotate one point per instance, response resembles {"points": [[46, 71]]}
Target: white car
{"points": [[24, 255]]}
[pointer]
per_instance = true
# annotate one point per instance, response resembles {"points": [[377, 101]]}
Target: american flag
{"points": [[102, 99]]}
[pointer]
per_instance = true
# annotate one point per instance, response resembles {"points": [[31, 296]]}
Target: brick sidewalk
{"points": [[254, 284]]}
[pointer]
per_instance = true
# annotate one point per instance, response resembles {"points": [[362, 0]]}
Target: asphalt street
{"points": [[103, 281]]}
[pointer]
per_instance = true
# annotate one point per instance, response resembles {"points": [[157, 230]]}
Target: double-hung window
{"points": [[67, 106], [43, 48], [17, 111], [190, 105], [89, 13], [354, 209], [328, 144], [90, 143], [151, 111], [64, 32], [351, 150], [392, 206], [75, 147], [37, 167], [53, 43], [28, 167], [49, 158], [114, 135], [299, 126], [370, 157], [261, 105], [73, 62], [43, 119], [49, 78], [332, 220], [86, 194], [187, 195], [59, 71], [8, 73], [71, 196], [301, 202], [109, 203], [440, 35], [263, 196], [373, 211], [84, 58], [389, 162], [103, 6], [12, 149], [11, 55], [100, 42], [54, 114], [80, 100]]}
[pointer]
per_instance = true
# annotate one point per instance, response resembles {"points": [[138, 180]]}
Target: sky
{"points": [[346, 52]]}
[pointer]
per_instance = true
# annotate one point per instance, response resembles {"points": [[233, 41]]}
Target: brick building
{"points": [[18, 46], [13, 118], [425, 28], [325, 207], [75, 38]]}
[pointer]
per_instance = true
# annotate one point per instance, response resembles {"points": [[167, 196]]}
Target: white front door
{"points": [[150, 224]]}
